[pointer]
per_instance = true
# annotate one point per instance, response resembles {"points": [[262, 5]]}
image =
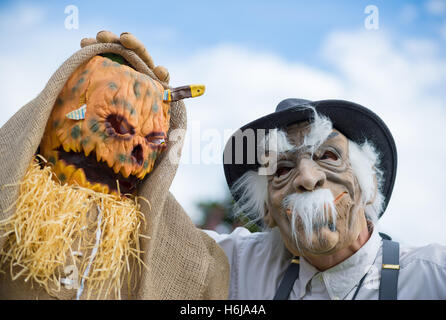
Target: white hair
{"points": [[320, 129], [364, 160], [252, 188]]}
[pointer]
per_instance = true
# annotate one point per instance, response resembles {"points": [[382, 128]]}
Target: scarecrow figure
{"points": [[86, 167], [322, 177]]}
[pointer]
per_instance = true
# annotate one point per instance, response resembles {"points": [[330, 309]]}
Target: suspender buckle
{"points": [[295, 260]]}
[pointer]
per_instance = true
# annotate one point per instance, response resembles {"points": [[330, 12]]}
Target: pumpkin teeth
{"points": [[68, 171], [62, 169], [66, 147], [62, 136], [77, 148], [98, 157], [58, 168], [105, 189], [116, 167], [126, 171], [55, 142], [88, 149], [100, 188], [79, 177], [89, 185], [110, 162], [142, 175]]}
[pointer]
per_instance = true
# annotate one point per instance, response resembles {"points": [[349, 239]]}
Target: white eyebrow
{"points": [[321, 129]]}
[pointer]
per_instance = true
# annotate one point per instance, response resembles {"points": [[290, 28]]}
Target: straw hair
{"points": [[54, 226]]}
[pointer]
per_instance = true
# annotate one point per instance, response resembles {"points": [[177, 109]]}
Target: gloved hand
{"points": [[130, 42]]}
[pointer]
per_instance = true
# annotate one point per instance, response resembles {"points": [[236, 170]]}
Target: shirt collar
{"points": [[343, 277], [306, 273]]}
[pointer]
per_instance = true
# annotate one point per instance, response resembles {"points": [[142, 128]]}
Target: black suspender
{"points": [[291, 274], [388, 287]]}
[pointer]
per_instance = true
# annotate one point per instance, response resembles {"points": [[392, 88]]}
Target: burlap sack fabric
{"points": [[183, 262]]}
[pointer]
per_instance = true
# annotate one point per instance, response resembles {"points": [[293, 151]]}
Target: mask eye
{"points": [[156, 139], [329, 155], [282, 171], [118, 125]]}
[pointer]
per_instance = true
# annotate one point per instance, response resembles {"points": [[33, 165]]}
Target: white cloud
{"points": [[436, 7], [442, 31], [242, 85]]}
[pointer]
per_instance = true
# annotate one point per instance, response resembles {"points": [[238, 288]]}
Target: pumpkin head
{"points": [[107, 127]]}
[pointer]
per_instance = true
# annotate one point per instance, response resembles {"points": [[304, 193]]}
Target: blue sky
{"points": [[293, 29], [253, 54]]}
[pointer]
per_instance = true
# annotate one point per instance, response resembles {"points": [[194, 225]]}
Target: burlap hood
{"points": [[183, 262]]}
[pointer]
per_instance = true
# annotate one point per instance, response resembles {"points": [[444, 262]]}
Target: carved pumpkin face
{"points": [[108, 124]]}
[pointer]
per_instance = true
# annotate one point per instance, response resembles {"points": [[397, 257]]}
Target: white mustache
{"points": [[314, 208]]}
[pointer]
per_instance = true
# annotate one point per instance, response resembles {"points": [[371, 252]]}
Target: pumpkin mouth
{"points": [[98, 172]]}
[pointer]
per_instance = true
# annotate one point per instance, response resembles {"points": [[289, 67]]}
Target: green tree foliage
{"points": [[217, 215]]}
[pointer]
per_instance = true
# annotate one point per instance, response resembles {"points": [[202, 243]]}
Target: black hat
{"points": [[356, 122]]}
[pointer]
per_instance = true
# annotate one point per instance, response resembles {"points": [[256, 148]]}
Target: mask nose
{"points": [[310, 176], [137, 154]]}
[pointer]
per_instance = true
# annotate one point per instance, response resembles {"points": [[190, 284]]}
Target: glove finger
{"points": [[162, 73], [145, 56], [129, 41], [87, 42], [107, 37]]}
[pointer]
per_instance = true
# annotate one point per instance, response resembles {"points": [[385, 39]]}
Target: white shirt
{"points": [[258, 262]]}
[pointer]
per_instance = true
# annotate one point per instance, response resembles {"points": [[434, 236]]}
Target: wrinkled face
{"points": [[108, 124], [300, 175]]}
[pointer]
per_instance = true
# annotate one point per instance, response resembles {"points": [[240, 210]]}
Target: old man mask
{"points": [[324, 192]]}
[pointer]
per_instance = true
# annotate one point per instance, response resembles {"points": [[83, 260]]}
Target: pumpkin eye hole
{"points": [[119, 125], [156, 138]]}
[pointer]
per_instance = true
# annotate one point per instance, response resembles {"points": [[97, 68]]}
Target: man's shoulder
{"points": [[423, 272], [239, 234], [432, 255], [242, 242]]}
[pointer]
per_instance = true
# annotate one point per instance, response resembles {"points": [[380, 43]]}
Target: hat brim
{"points": [[356, 122]]}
